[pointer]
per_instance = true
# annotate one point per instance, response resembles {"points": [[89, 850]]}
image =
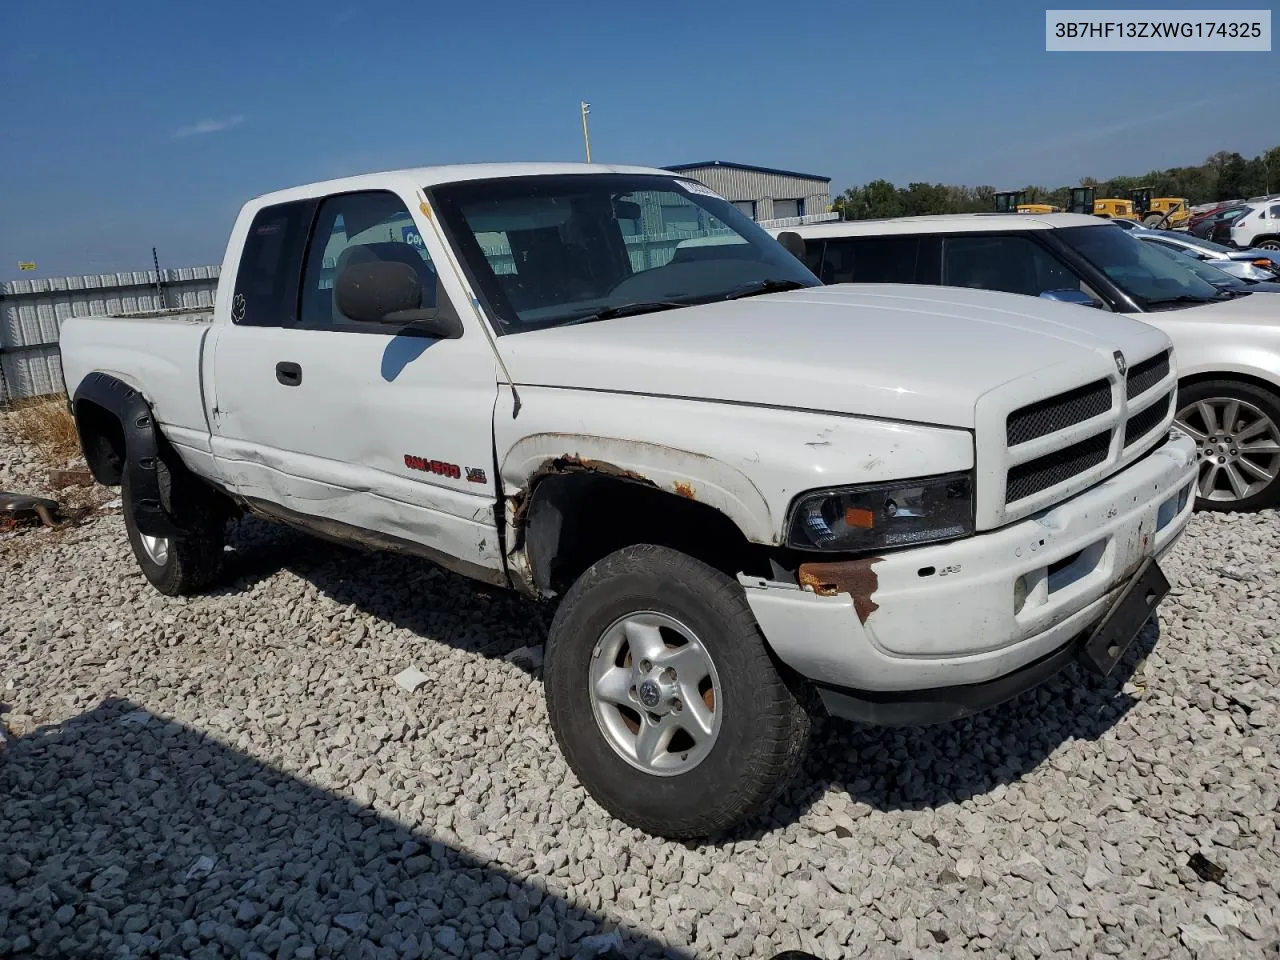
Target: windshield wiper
{"points": [[624, 310], [1181, 298], [757, 287]]}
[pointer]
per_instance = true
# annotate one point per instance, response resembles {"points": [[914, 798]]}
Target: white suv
{"points": [[1228, 342], [1259, 227]]}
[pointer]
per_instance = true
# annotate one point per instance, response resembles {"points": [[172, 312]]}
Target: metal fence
{"points": [[32, 311]]}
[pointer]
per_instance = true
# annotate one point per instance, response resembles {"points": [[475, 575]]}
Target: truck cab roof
{"points": [[422, 177]]}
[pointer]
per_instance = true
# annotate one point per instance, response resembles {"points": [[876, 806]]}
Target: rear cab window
{"points": [[266, 292]]}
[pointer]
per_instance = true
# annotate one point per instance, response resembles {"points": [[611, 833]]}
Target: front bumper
{"points": [[946, 616]]}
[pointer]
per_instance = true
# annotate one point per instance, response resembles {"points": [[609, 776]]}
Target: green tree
{"points": [[1224, 176], [1233, 178]]}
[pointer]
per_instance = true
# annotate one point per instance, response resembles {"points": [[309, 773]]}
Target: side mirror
{"points": [[793, 243], [1071, 295], [391, 292]]}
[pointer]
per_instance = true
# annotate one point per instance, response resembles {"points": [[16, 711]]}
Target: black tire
{"points": [[1265, 403], [1151, 219], [763, 728], [1267, 243], [193, 559]]}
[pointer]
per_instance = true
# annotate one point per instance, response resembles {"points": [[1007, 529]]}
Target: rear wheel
{"points": [[1151, 219], [1271, 243], [187, 562], [1237, 428], [664, 697]]}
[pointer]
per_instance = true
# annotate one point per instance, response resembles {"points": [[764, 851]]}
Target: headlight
{"points": [[883, 515], [1254, 272]]}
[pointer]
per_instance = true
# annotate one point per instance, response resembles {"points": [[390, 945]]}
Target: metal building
{"points": [[763, 193]]}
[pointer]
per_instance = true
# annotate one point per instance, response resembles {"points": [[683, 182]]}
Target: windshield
{"points": [[1140, 269], [1205, 271], [550, 250]]}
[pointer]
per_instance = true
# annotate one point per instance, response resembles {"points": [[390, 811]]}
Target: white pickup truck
{"points": [[754, 497]]}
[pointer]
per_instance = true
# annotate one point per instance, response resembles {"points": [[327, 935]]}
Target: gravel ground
{"points": [[238, 774]]}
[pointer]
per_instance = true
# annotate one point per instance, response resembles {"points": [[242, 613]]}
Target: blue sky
{"points": [[140, 123]]}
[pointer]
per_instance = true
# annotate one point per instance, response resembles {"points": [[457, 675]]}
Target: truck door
{"points": [[355, 428]]}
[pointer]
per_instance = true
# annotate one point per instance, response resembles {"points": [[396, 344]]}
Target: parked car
{"points": [[1228, 346], [1258, 227], [1246, 264], [1219, 278], [1217, 225], [1198, 213], [750, 497]]}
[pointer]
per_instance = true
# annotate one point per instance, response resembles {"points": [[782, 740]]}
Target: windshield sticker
{"points": [[693, 187]]}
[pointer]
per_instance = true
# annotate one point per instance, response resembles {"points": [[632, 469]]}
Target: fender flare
{"points": [[679, 472], [141, 449]]}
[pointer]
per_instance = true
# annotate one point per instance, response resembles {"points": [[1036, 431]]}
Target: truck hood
{"points": [[900, 352]]}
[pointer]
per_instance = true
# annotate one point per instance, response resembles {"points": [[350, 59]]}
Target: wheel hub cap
{"points": [[655, 693]]}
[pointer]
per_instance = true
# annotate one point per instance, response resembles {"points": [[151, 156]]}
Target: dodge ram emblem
{"points": [[1121, 364], [649, 694]]}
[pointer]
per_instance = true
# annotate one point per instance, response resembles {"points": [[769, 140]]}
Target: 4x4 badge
{"points": [[1121, 364]]}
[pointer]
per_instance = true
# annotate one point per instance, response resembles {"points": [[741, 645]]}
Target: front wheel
{"points": [[665, 699], [1237, 428]]}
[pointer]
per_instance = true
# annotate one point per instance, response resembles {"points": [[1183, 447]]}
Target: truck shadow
{"points": [[408, 592], [907, 768], [123, 834]]}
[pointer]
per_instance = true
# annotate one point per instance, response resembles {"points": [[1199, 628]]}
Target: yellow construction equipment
{"points": [[1169, 213], [1084, 201], [1015, 201]]}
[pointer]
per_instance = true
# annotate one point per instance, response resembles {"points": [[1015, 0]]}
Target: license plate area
{"points": [[1125, 619]]}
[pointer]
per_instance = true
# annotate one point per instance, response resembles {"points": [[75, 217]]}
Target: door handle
{"points": [[290, 374]]}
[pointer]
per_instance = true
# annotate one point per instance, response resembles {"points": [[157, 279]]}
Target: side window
{"points": [[880, 260], [358, 228], [1013, 264], [814, 257], [266, 293], [1275, 212]]}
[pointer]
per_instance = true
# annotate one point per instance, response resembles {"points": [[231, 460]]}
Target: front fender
{"points": [[682, 472]]}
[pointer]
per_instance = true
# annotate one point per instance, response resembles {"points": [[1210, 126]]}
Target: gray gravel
{"points": [[240, 774]]}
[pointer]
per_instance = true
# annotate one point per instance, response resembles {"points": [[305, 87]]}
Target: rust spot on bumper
{"points": [[854, 577], [685, 489]]}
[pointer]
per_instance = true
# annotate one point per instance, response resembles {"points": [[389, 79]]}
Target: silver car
{"points": [[1245, 264]]}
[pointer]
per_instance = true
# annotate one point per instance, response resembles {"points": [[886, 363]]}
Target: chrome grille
{"points": [[1057, 467], [1140, 424], [1057, 413], [1146, 375]]}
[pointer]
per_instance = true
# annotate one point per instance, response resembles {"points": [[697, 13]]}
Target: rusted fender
{"points": [[678, 472]]}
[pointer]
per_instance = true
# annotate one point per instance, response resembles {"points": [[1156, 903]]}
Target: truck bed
{"points": [[158, 352]]}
